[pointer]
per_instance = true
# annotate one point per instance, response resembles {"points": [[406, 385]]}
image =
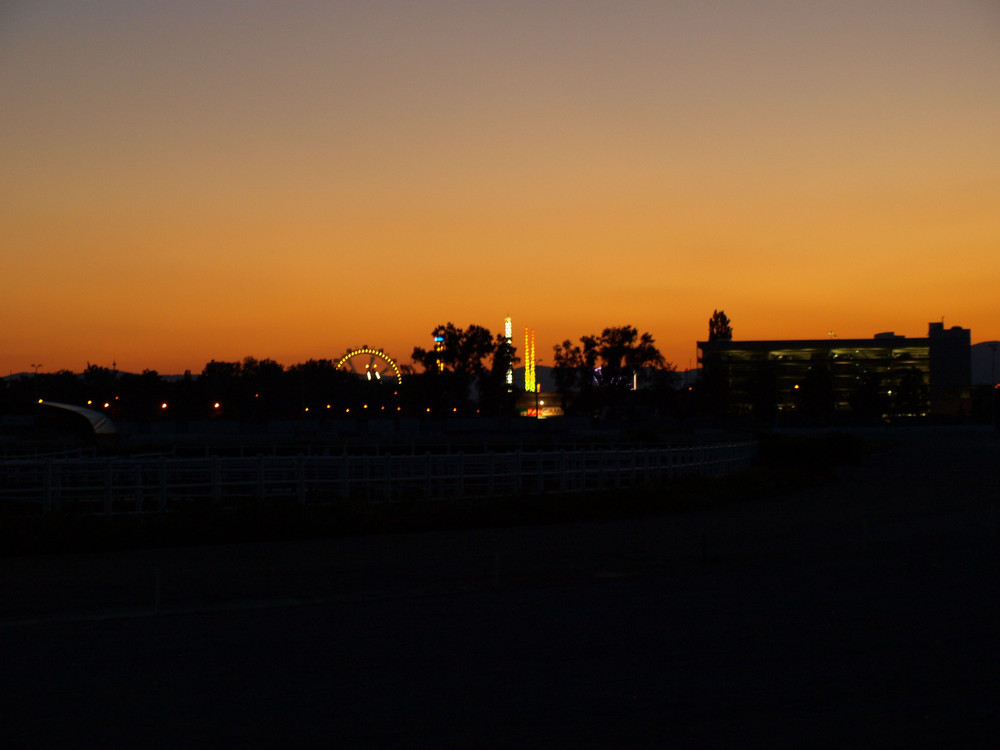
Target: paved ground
{"points": [[862, 613]]}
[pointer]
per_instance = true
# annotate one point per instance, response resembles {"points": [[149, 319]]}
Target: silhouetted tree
{"points": [[57, 386], [262, 388], [601, 368], [465, 358], [220, 384], [719, 327], [494, 395], [468, 351]]}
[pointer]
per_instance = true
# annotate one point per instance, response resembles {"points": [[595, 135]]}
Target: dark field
{"points": [[861, 611]]}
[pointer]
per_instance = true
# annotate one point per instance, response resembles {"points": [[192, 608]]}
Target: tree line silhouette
{"points": [[617, 374], [464, 374]]}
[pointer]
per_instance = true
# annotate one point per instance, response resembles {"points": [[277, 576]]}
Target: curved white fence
{"points": [[160, 483]]}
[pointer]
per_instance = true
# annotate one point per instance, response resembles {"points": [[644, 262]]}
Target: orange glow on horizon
{"points": [[298, 184]]}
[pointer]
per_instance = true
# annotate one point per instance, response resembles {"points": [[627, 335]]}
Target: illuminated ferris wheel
{"points": [[372, 364]]}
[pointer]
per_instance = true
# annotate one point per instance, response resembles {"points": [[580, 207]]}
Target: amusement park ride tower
{"points": [[510, 365], [529, 360]]}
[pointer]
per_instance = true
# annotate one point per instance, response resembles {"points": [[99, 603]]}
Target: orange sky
{"points": [[189, 181]]}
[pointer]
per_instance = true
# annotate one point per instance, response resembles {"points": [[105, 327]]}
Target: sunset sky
{"points": [[186, 181]]}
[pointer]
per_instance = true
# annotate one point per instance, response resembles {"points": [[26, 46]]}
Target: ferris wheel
{"points": [[372, 364]]}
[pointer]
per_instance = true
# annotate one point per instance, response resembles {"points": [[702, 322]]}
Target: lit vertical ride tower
{"points": [[529, 360], [439, 347], [510, 365]]}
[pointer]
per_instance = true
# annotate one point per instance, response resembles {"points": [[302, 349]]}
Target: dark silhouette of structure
{"points": [[887, 375]]}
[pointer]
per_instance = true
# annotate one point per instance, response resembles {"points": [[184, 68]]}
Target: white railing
{"points": [[161, 483]]}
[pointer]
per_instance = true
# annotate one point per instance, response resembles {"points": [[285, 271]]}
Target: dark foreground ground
{"points": [[863, 612]]}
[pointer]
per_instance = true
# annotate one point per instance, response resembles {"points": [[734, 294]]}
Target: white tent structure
{"points": [[101, 423]]}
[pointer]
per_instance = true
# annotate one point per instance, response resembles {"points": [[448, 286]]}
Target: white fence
{"points": [[160, 483]]}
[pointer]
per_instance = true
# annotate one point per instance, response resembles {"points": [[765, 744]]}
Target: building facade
{"points": [[886, 375]]}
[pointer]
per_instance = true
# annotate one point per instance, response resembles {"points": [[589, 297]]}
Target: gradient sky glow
{"points": [[189, 181]]}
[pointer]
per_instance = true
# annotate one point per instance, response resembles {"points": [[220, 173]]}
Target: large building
{"points": [[884, 375]]}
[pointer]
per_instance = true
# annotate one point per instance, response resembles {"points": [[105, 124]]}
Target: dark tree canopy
{"points": [[465, 359], [468, 351], [601, 366], [719, 327]]}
